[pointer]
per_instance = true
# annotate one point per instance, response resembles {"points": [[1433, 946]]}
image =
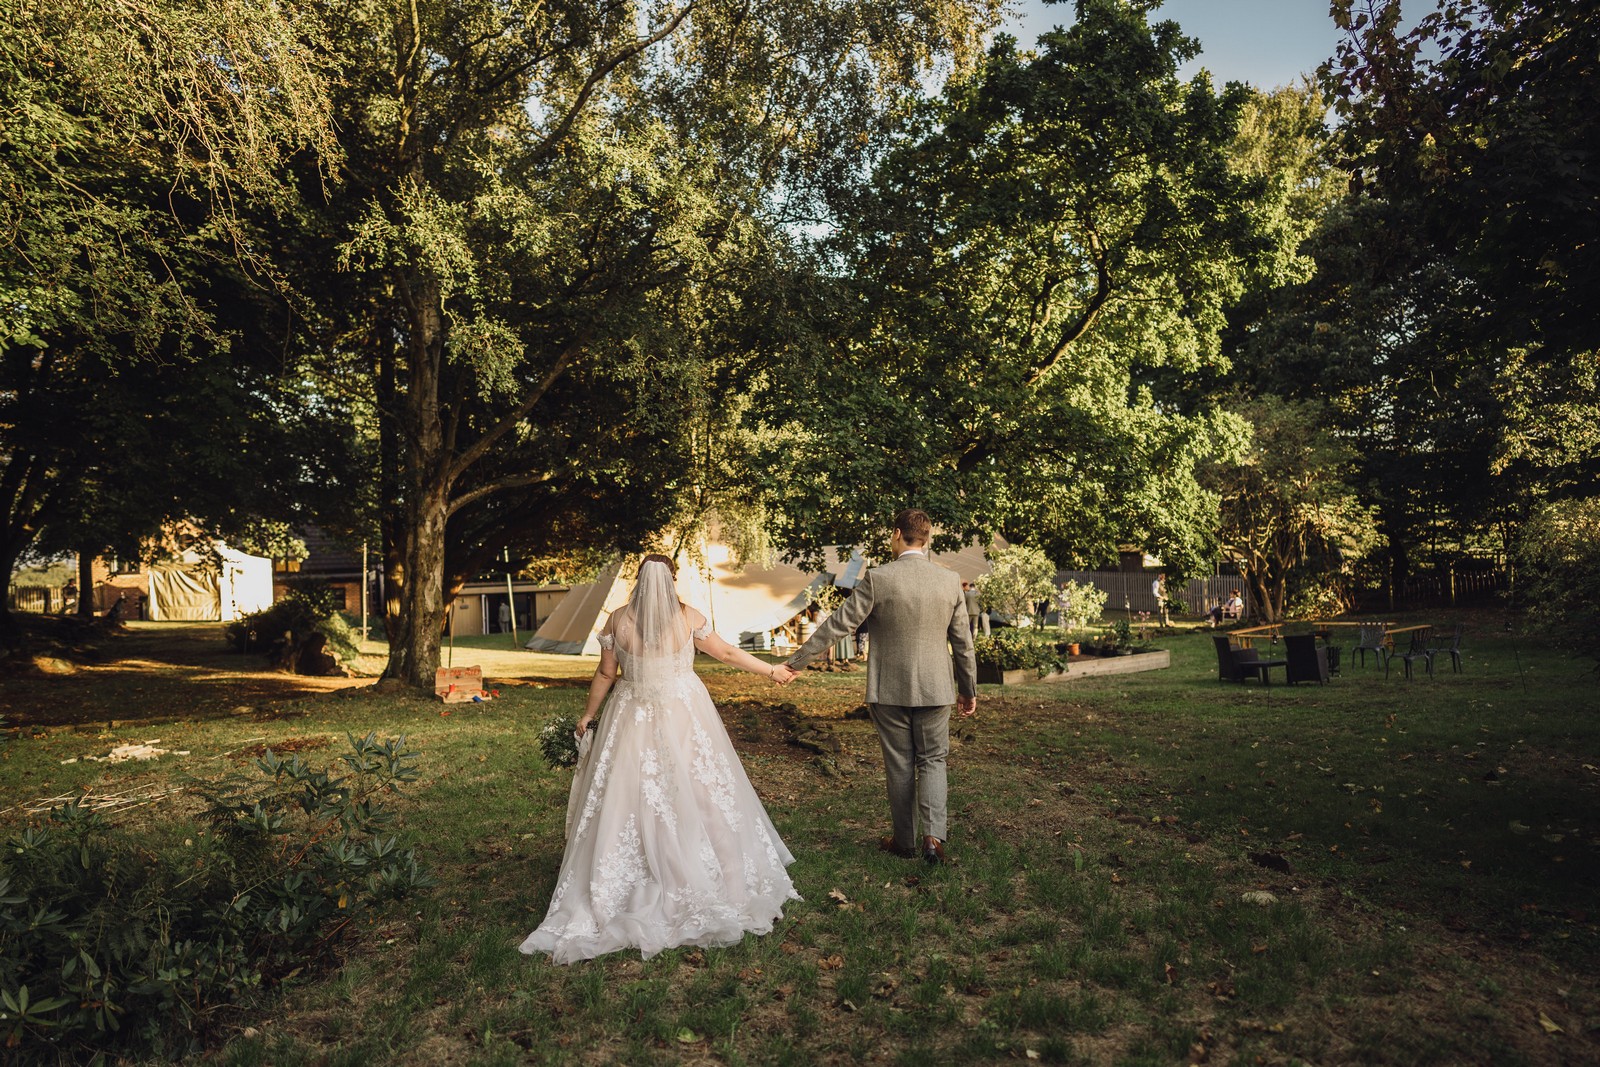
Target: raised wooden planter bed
{"points": [[1080, 667]]}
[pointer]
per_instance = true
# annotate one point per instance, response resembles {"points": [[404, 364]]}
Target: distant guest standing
{"points": [[969, 594], [1158, 589], [505, 618]]}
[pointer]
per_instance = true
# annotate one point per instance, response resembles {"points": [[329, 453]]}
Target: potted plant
{"points": [[1123, 644]]}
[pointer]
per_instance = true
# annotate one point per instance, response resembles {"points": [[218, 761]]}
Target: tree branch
{"points": [[599, 74], [480, 448], [510, 481], [1080, 326]]}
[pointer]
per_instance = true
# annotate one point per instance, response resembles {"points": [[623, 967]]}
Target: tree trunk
{"points": [[417, 592], [11, 636], [414, 649], [85, 608]]}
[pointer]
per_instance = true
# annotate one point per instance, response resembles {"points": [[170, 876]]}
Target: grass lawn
{"points": [[1431, 849]]}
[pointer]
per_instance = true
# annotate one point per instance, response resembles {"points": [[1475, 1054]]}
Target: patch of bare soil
{"points": [[148, 671], [284, 746]]}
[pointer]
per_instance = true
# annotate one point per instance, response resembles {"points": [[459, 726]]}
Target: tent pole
{"points": [[511, 598]]}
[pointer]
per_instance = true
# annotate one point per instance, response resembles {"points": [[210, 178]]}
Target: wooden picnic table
{"points": [[1246, 637]]}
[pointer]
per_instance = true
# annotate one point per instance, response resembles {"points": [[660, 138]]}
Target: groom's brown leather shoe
{"points": [[933, 850], [886, 844]]}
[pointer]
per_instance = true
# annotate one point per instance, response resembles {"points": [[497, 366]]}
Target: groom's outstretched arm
{"points": [[845, 620]]}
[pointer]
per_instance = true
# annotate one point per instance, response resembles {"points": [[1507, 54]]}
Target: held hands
{"points": [[783, 674], [967, 706]]}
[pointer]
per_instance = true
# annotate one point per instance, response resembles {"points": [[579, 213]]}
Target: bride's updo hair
{"points": [[657, 557]]}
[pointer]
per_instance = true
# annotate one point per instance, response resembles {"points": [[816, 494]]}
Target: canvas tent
{"points": [[573, 628], [220, 589], [741, 603]]}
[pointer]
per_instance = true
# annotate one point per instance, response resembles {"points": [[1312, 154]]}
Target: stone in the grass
{"points": [[1259, 897]]}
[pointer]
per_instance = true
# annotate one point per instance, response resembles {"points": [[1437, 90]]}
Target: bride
{"points": [[667, 842]]}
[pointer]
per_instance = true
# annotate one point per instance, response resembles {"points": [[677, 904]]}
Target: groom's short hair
{"points": [[914, 526]]}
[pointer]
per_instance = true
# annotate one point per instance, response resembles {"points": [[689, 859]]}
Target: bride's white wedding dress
{"points": [[667, 842]]}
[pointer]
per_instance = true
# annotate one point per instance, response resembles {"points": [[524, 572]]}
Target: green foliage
{"points": [[120, 943], [1559, 552], [1285, 509], [1085, 603], [1011, 649], [1019, 577], [132, 331], [558, 741], [301, 612], [273, 539], [1448, 328], [1476, 121], [547, 308], [1062, 228]]}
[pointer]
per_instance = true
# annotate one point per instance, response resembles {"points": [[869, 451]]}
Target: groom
{"points": [[916, 616]]}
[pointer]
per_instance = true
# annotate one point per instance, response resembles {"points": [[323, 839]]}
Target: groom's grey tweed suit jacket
{"points": [[921, 645]]}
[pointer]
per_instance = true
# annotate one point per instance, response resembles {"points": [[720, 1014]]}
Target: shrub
{"points": [[1019, 577], [1084, 604], [1012, 650], [112, 944], [300, 612], [1559, 553]]}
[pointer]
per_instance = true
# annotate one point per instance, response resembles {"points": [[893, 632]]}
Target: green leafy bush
{"points": [[114, 944], [1012, 650], [1019, 577], [1080, 604], [1559, 553], [300, 612]]}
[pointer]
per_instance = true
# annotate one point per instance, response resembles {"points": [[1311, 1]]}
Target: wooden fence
{"points": [[36, 598], [1446, 588]]}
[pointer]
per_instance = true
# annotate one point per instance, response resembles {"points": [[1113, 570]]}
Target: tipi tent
{"points": [[740, 602], [229, 585], [573, 628]]}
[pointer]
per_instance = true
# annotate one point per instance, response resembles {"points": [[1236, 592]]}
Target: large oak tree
{"points": [[543, 213]]}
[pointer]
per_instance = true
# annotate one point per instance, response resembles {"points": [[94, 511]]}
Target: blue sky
{"points": [[1267, 43]]}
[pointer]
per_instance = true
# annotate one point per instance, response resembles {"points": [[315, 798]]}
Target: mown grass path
{"points": [[1432, 851]]}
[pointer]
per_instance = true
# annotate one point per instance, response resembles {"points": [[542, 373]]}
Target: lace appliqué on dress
{"points": [[619, 871], [654, 794], [711, 770]]}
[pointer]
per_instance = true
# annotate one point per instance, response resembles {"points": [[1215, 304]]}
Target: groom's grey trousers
{"points": [[916, 746]]}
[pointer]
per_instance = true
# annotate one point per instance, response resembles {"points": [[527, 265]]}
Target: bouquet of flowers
{"points": [[558, 741]]}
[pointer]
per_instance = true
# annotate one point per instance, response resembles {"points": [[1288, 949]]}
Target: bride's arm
{"points": [[604, 675], [714, 646]]}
